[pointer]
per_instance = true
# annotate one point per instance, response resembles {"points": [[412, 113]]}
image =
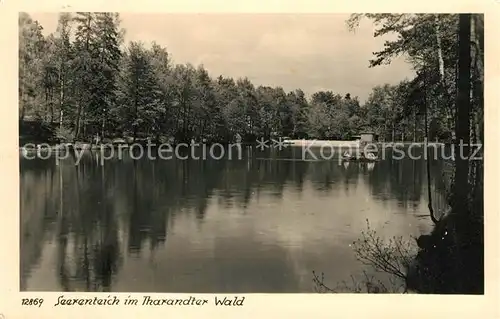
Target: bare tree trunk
{"points": [[61, 96], [47, 108], [22, 102], [103, 126], [80, 112], [462, 126], [78, 119], [427, 162], [60, 119], [414, 126], [439, 48], [84, 124], [52, 111], [478, 88], [443, 83]]}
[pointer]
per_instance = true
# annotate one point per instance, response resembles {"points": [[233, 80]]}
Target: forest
{"points": [[84, 80]]}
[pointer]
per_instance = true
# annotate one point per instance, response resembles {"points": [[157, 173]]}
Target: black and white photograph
{"points": [[209, 153]]}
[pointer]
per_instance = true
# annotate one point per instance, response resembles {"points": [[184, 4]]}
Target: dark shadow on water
{"points": [[99, 213]]}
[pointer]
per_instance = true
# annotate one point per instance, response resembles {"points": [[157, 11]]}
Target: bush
{"points": [[64, 134], [393, 256]]}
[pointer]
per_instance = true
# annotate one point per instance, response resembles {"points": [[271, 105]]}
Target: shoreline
{"points": [[339, 143], [288, 143]]}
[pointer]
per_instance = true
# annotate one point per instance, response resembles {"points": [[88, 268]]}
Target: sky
{"points": [[308, 51]]}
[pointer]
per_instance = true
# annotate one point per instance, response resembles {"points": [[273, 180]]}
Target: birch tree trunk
{"points": [[439, 49]]}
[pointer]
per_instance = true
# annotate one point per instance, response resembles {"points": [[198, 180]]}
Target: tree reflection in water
{"points": [[127, 206], [88, 246], [409, 263]]}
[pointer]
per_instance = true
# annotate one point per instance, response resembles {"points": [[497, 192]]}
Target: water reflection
{"points": [[249, 225]]}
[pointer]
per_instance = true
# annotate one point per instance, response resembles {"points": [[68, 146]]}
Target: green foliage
{"points": [[430, 43], [85, 78], [31, 51], [64, 134]]}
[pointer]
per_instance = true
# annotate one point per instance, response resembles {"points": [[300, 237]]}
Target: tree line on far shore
{"points": [[83, 80]]}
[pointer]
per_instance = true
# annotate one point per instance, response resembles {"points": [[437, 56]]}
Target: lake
{"points": [[261, 223]]}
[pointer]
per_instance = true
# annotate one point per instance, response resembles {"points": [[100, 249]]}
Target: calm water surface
{"points": [[259, 224]]}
